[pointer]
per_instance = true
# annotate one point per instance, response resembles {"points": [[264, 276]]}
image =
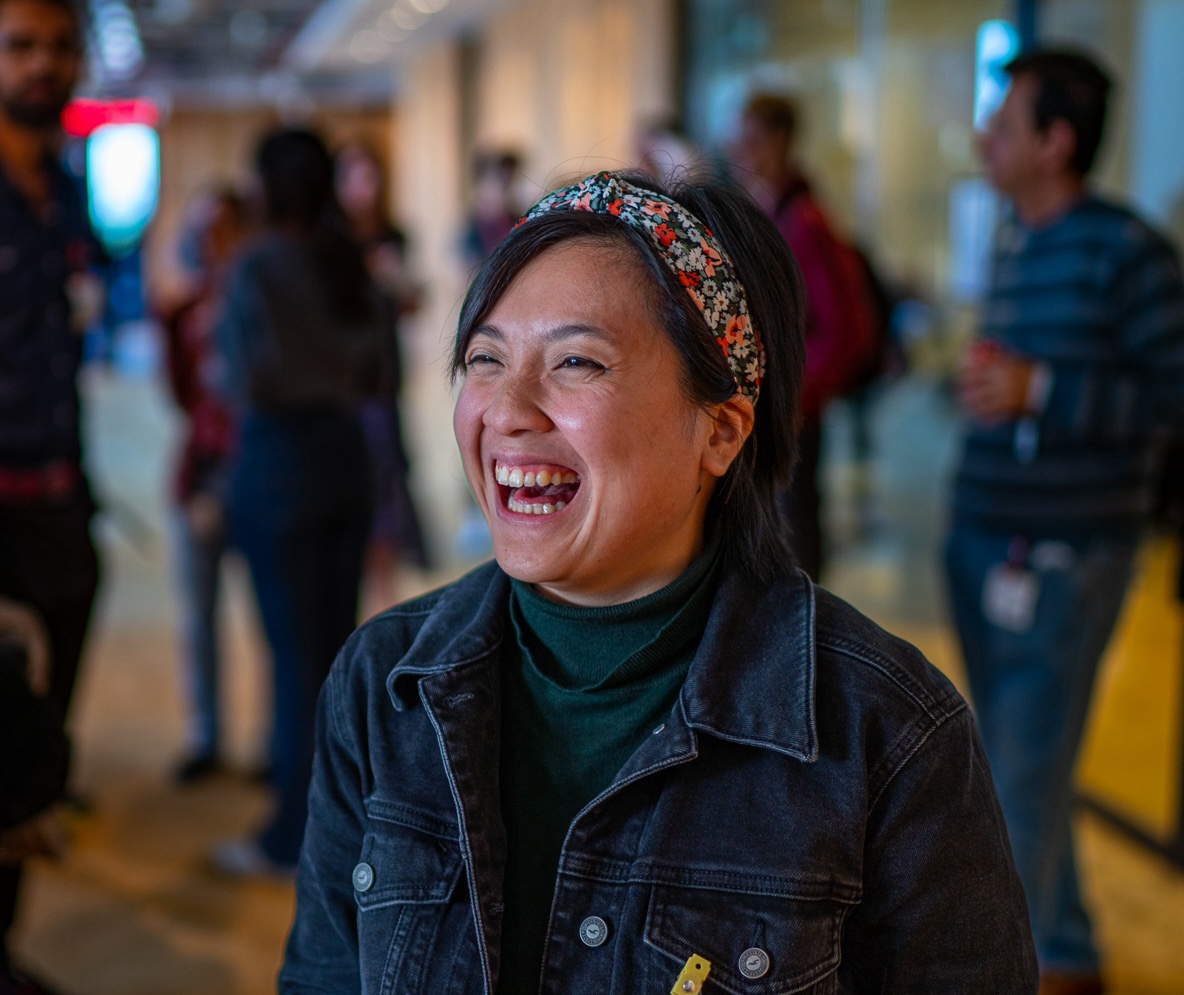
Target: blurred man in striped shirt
{"points": [[1075, 378]]}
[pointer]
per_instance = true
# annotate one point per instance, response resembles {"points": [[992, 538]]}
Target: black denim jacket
{"points": [[816, 815]]}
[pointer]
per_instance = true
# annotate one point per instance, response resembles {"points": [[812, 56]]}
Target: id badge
{"points": [[1009, 597]]}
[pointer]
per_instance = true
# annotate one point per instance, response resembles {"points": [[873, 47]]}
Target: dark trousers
{"points": [[801, 504], [300, 513], [48, 561]]}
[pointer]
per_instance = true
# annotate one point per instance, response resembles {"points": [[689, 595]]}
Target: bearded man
{"points": [[47, 559]]}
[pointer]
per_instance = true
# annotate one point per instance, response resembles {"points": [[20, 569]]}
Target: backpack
{"points": [[884, 355], [857, 293]]}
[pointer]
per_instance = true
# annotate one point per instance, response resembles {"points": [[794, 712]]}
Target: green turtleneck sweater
{"points": [[581, 690]]}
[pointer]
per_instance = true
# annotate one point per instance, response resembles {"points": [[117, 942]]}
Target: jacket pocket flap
{"points": [[404, 864], [757, 944]]}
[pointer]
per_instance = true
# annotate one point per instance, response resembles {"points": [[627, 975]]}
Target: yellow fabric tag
{"points": [[694, 973]]}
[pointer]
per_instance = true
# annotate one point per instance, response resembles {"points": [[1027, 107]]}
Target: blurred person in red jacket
{"points": [[840, 324], [217, 227]]}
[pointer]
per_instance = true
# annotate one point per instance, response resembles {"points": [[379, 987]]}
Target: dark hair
{"points": [[774, 113], [74, 12], [69, 6], [297, 173], [1071, 87], [744, 506], [669, 124], [504, 161], [192, 246], [226, 196]]}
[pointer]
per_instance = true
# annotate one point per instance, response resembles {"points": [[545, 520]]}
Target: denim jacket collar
{"points": [[743, 655], [727, 689]]}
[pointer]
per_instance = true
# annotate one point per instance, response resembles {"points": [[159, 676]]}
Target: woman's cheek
{"points": [[466, 427]]}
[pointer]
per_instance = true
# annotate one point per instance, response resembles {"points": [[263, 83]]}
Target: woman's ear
{"points": [[731, 424]]}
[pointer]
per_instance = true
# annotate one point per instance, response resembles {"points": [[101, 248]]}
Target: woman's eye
{"points": [[478, 359], [579, 363]]}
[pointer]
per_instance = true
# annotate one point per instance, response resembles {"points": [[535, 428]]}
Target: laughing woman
{"points": [[641, 752]]}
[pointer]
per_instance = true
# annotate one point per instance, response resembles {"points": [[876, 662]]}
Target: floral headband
{"points": [[689, 248]]}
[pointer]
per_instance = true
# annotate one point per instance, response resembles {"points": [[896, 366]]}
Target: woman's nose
{"points": [[517, 407]]}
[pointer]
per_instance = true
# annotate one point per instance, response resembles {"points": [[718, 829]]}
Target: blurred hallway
{"points": [[133, 910]]}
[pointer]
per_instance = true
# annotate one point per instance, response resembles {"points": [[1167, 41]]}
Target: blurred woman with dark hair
{"points": [[301, 340]]}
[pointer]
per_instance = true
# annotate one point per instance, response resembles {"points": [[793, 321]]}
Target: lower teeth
{"points": [[523, 508]]}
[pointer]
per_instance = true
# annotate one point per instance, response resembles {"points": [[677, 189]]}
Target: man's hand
{"points": [[26, 626], [42, 836], [993, 384]]}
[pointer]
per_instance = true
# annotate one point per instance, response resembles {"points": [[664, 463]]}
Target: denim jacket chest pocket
{"points": [[415, 928], [758, 943]]}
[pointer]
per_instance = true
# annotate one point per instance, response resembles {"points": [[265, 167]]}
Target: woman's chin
{"points": [[525, 565]]}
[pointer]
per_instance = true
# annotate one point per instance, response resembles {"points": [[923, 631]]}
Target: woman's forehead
{"points": [[606, 258], [579, 282]]}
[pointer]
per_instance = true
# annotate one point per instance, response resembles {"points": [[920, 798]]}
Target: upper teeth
{"points": [[517, 477]]}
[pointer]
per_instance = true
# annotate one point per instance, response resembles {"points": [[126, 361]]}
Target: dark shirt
{"points": [[1097, 295], [39, 351], [588, 686], [282, 345]]}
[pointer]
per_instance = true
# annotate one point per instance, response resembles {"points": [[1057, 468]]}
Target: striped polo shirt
{"points": [[1097, 296]]}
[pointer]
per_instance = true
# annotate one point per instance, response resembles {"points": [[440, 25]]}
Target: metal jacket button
{"points": [[593, 931], [754, 963], [363, 876]]}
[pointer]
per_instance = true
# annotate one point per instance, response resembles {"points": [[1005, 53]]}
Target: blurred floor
{"points": [[133, 910]]}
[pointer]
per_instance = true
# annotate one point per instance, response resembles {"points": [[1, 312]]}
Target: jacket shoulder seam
{"points": [[906, 748], [935, 706]]}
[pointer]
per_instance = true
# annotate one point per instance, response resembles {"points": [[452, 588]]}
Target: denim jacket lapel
{"points": [[464, 705], [453, 669]]}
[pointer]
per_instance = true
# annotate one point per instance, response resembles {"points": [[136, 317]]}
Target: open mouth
{"points": [[536, 489]]}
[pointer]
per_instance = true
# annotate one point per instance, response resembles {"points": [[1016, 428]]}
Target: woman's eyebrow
{"points": [[571, 331]]}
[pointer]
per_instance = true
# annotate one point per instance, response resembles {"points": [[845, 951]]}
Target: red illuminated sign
{"points": [[83, 116]]}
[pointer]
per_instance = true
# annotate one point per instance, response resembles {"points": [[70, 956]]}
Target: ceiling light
{"points": [[389, 30], [117, 39], [405, 17]]}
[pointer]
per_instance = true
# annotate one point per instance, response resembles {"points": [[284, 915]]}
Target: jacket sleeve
{"points": [[179, 364], [322, 951], [943, 908], [1145, 391]]}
